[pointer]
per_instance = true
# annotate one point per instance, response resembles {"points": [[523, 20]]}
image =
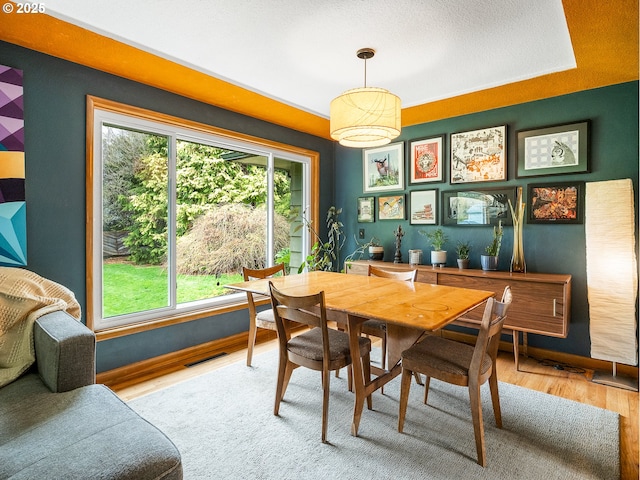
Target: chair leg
{"points": [[427, 381], [405, 386], [280, 387], [326, 378], [252, 340], [287, 376], [495, 398], [478, 426], [418, 379]]}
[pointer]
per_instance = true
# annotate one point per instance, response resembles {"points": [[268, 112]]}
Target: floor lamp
{"points": [[612, 277]]}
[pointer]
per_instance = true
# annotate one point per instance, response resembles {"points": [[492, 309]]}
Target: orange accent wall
{"points": [[604, 37]]}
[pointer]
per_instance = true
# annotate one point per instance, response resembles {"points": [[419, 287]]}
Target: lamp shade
{"points": [[365, 117]]}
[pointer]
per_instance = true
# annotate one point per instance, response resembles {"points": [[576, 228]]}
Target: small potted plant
{"points": [[437, 239], [376, 251], [489, 260], [462, 250], [372, 247]]}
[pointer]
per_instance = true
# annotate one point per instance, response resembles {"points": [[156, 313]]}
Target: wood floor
{"points": [[550, 377]]}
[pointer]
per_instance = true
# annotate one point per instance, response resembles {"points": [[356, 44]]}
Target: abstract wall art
{"points": [[13, 218]]}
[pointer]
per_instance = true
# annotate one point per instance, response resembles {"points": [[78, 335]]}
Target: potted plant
{"points": [[437, 239], [372, 247], [489, 260], [376, 251], [462, 250]]}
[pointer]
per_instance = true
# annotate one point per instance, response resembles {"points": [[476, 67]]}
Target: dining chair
{"points": [[461, 364], [376, 328], [263, 319], [320, 348]]}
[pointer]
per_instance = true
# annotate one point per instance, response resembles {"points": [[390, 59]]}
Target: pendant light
{"points": [[367, 116]]}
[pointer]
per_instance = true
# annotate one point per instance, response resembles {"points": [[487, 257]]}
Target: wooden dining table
{"points": [[409, 310]]}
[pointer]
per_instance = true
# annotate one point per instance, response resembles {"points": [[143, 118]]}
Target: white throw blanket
{"points": [[24, 297]]}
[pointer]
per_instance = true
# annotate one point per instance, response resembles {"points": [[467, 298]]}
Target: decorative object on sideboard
{"points": [[415, 257], [517, 258], [462, 251], [376, 252], [371, 250], [489, 260], [399, 234], [366, 116], [437, 239]]}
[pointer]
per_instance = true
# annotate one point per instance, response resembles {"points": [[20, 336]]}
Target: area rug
{"points": [[223, 424]]}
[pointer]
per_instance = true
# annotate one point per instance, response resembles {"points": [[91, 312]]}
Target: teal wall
{"points": [[55, 102], [613, 112]]}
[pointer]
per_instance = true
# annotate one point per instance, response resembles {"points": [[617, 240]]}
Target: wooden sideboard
{"points": [[541, 301]]}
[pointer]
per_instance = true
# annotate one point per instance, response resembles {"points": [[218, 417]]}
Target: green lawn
{"points": [[132, 288]]}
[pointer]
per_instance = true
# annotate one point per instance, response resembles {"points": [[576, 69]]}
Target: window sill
{"points": [[161, 322]]}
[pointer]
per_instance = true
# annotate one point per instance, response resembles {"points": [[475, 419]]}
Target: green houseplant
{"points": [[323, 254], [489, 260], [462, 251], [437, 239], [373, 247]]}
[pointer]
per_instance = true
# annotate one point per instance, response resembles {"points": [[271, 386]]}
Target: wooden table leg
{"points": [[354, 324], [398, 340]]}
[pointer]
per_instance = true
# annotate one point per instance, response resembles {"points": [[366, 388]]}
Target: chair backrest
{"points": [[495, 313], [308, 310], [258, 274], [408, 275]]}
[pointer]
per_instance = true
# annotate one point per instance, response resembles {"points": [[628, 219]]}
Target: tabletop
{"points": [[418, 305]]}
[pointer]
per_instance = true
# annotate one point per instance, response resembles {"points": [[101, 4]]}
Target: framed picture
{"points": [[560, 202], [479, 155], [425, 160], [391, 208], [482, 206], [553, 150], [366, 210], [383, 168], [424, 207]]}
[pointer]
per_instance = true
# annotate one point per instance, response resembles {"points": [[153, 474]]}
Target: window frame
{"points": [[99, 109]]}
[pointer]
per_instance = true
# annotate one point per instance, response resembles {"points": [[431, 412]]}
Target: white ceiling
{"points": [[303, 52]]}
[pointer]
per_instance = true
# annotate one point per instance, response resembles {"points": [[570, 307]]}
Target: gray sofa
{"points": [[56, 423]]}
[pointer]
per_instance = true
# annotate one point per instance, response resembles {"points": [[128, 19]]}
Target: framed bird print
{"points": [[383, 168]]}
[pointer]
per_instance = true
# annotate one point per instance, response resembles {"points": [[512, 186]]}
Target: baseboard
{"points": [[176, 360]]}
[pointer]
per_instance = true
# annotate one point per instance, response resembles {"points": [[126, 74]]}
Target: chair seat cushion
{"points": [[374, 325], [309, 345], [266, 319], [434, 355]]}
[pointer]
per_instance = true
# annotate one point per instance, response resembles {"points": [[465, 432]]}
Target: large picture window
{"points": [[176, 208]]}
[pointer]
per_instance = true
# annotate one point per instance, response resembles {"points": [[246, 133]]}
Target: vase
{"points": [[518, 263], [415, 257], [489, 262]]}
